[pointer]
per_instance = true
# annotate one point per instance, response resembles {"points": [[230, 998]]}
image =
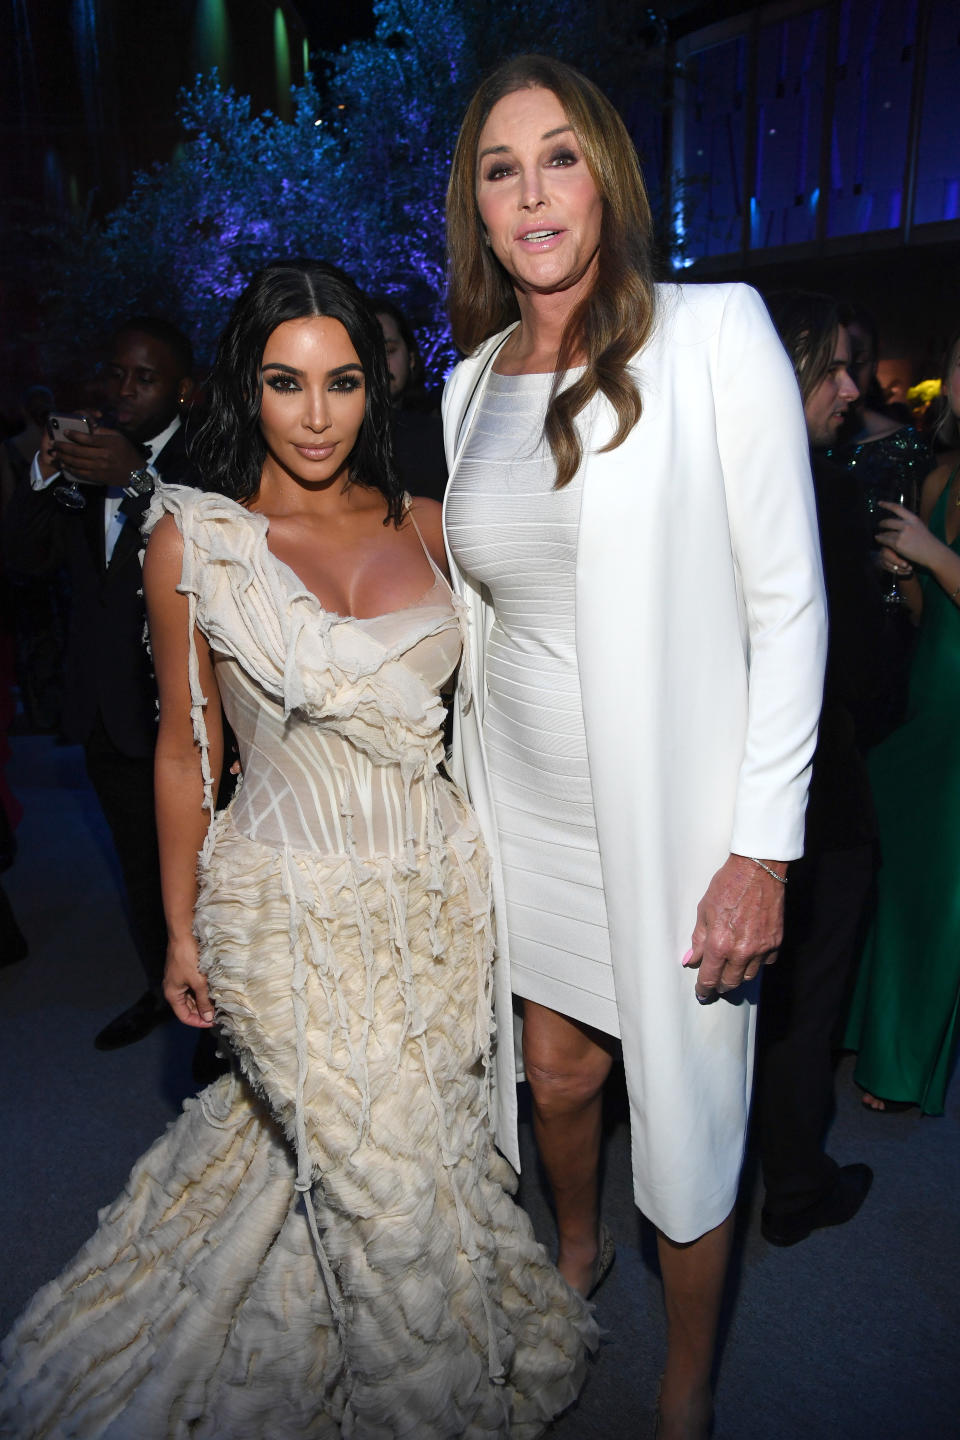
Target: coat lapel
{"points": [[128, 543]]}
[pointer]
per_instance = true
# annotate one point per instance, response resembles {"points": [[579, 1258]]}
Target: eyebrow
{"points": [[292, 370], [502, 149]]}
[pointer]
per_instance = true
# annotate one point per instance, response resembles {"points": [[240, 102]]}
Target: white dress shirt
{"points": [[113, 519]]}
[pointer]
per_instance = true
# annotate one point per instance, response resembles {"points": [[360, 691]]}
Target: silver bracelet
{"points": [[781, 879]]}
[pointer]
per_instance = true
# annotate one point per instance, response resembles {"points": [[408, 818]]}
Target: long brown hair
{"points": [[807, 323], [614, 320], [947, 428]]}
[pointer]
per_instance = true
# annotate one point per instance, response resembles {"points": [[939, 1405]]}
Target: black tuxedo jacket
{"points": [[106, 665], [840, 812]]}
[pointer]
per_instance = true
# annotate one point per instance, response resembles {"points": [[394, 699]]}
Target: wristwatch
{"points": [[139, 482]]}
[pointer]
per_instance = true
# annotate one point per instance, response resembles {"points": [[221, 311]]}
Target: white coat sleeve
{"points": [[765, 457]]}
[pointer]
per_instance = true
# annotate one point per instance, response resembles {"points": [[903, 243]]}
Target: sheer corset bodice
{"points": [[339, 719], [307, 784]]}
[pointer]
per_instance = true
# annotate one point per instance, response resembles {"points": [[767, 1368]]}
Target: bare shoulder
{"points": [[164, 553], [165, 534], [879, 427], [429, 517], [935, 482]]}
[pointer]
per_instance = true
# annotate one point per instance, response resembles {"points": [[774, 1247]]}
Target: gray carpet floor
{"points": [[853, 1333]]}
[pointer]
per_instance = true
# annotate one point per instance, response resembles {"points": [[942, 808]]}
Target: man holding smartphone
{"points": [[109, 694]]}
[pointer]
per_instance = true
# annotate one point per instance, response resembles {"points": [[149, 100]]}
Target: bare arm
{"points": [[178, 781], [933, 486], [906, 537]]}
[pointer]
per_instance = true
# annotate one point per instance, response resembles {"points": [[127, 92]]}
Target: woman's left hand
{"points": [[739, 926], [185, 987]]}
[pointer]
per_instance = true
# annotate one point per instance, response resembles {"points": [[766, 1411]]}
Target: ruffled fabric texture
{"points": [[325, 667], [324, 1244]]}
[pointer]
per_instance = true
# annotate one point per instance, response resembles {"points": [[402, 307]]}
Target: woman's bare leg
{"points": [[567, 1064], [693, 1280]]}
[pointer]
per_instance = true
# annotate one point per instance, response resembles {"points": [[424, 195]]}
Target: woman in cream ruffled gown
{"points": [[339, 935]]}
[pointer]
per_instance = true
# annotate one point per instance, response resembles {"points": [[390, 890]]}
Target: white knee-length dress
{"points": [[512, 531]]}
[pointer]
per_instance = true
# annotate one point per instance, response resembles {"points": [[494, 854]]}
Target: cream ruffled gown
{"points": [[344, 927]]}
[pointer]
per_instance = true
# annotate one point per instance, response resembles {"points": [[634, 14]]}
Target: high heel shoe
{"points": [[606, 1254]]}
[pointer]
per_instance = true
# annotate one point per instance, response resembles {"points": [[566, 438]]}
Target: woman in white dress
{"points": [[631, 522], [324, 1244]]}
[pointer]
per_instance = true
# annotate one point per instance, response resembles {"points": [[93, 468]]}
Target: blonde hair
{"points": [[614, 320], [947, 428]]}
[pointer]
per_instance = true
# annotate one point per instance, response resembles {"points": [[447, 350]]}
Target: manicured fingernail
{"points": [[688, 957], [705, 999]]}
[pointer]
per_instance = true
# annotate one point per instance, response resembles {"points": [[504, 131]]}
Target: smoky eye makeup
{"points": [[492, 168], [285, 382], [352, 380], [279, 380]]}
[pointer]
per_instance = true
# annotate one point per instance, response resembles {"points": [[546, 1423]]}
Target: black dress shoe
{"points": [[835, 1208], [13, 944], [134, 1023]]}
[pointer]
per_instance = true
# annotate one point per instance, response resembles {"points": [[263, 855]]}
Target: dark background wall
{"points": [[808, 142]]}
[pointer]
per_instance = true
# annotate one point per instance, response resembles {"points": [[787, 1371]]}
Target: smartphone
{"points": [[63, 426]]}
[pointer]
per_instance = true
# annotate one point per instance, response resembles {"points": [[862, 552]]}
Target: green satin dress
{"points": [[903, 1019]]}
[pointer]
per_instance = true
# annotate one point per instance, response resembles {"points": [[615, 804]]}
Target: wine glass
{"points": [[68, 493], [892, 482]]}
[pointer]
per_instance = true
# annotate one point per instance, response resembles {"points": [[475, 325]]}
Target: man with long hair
{"points": [[804, 993]]}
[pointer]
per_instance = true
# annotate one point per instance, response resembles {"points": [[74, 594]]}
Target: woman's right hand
{"points": [[184, 986]]}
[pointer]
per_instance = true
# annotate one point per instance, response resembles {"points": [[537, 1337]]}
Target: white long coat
{"points": [[701, 636]]}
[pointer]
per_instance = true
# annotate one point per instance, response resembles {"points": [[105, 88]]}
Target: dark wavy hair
{"points": [[615, 319], [807, 323], [228, 448]]}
